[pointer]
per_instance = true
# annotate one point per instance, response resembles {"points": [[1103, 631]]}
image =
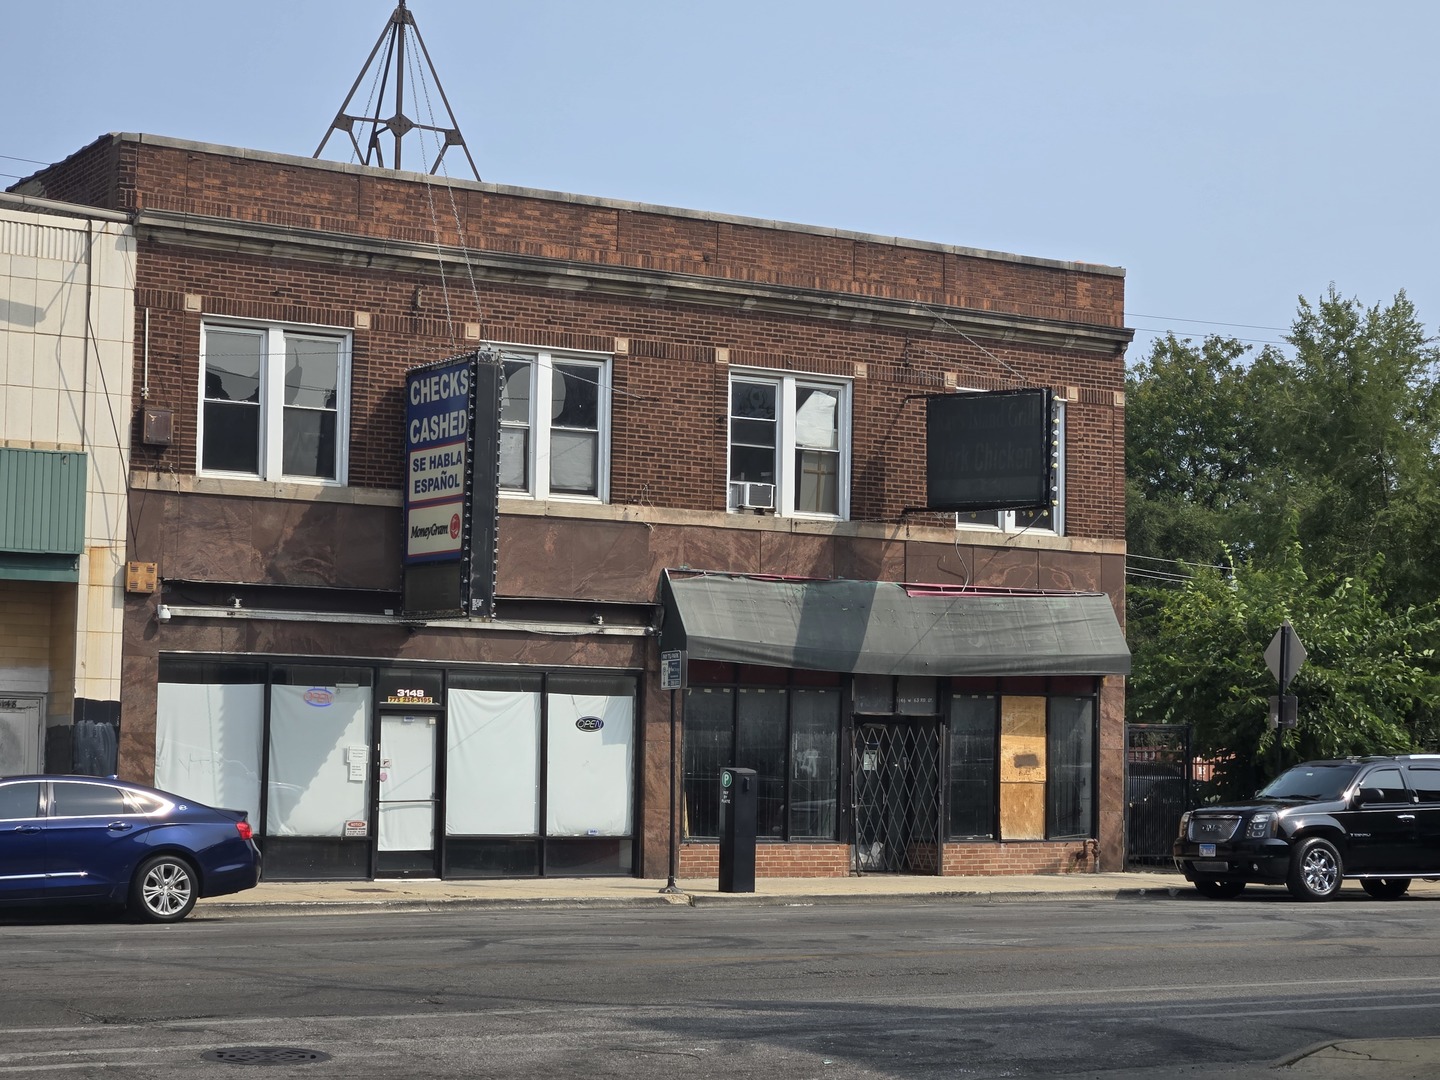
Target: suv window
{"points": [[82, 800], [1425, 779], [1387, 783], [1316, 781], [21, 800]]}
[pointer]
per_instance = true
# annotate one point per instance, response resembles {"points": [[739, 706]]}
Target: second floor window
{"points": [[554, 426], [789, 445], [274, 402]]}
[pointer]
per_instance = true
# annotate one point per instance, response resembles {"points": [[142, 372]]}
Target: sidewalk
{"points": [[392, 895]]}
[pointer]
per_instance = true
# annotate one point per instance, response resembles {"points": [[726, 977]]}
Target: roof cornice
{"points": [[378, 253]]}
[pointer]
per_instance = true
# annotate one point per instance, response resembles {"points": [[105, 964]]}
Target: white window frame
{"points": [[272, 400], [786, 481], [1008, 520], [542, 375]]}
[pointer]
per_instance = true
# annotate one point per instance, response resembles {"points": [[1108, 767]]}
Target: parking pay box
{"points": [[738, 789]]}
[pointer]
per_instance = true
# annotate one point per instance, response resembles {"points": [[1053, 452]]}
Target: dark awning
{"points": [[886, 628]]}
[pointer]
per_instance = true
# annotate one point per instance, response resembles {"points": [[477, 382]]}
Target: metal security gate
{"points": [[1158, 789], [896, 775]]}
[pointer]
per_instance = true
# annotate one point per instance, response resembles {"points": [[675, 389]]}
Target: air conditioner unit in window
{"points": [[750, 496]]}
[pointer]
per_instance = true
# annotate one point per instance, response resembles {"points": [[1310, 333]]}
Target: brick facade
{"points": [[419, 271]]}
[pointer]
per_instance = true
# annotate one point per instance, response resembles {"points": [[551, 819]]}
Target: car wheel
{"points": [[1215, 889], [1385, 888], [164, 889], [1315, 870]]}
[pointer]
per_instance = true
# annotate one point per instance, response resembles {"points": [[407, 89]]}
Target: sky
{"points": [[1232, 156]]}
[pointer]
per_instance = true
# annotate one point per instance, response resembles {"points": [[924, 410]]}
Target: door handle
{"points": [[1406, 817], [119, 826], [26, 829]]}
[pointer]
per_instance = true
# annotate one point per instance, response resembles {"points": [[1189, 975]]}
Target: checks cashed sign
{"points": [[452, 431], [437, 430]]}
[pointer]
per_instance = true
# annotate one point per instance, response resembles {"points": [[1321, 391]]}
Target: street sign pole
{"points": [[1284, 656], [672, 678]]}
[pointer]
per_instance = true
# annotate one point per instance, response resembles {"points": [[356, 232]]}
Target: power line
{"points": [[1202, 322]]}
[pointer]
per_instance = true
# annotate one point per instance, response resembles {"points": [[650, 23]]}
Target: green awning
{"points": [[887, 628]]}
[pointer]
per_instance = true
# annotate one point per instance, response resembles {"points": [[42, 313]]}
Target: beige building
{"points": [[67, 331]]}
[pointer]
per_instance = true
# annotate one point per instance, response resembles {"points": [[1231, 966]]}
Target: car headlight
{"points": [[1261, 826]]}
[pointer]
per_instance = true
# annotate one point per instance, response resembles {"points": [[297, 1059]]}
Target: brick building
{"points": [[705, 420]]}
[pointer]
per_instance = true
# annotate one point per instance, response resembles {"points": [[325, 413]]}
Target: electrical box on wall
{"points": [[142, 577], [159, 427]]}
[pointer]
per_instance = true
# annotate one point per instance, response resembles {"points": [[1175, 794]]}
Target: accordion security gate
{"points": [[896, 770]]}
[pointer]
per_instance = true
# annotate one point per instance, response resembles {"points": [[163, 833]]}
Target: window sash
{"points": [[791, 432], [561, 449], [274, 403]]}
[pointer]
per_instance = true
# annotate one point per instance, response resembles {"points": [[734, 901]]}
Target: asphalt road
{"points": [[1058, 988]]}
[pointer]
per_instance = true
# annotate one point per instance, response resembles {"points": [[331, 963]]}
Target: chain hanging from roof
{"points": [[373, 127]]}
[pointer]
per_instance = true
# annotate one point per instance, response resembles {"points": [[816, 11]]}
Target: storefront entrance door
{"points": [[896, 775], [407, 796]]}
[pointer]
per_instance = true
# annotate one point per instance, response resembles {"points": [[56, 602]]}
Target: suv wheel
{"points": [[1214, 889], [1385, 888], [1315, 870]]}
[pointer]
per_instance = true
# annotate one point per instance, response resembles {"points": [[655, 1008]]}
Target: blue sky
{"points": [[1232, 156]]}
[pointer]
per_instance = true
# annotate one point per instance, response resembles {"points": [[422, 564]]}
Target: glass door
{"points": [[407, 789]]}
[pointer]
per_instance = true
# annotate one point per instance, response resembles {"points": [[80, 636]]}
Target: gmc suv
{"points": [[1375, 819]]}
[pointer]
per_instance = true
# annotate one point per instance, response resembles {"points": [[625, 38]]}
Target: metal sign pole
{"points": [[671, 886], [672, 678]]}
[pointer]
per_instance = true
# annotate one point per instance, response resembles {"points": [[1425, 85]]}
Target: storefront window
{"points": [[709, 747], [540, 774], [590, 756], [493, 758], [1071, 738], [789, 736], [316, 732], [972, 766], [760, 745], [209, 724], [814, 757]]}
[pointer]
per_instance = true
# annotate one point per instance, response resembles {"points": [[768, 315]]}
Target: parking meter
{"points": [[738, 791]]}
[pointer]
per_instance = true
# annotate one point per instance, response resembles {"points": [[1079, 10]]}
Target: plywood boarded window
{"points": [[1022, 768]]}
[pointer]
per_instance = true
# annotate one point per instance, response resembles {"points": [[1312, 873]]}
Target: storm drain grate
{"points": [[264, 1055]]}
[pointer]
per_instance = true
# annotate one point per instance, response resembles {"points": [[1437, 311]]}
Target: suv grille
{"points": [[1214, 828]]}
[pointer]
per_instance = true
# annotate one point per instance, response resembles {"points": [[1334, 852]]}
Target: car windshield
{"points": [[1311, 782]]}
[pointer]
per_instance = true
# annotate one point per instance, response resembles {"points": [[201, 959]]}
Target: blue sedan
{"points": [[105, 841]]}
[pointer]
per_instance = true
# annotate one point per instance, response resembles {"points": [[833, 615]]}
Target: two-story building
{"points": [[710, 437]]}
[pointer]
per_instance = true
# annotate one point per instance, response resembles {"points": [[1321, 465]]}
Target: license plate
{"points": [[1207, 851]]}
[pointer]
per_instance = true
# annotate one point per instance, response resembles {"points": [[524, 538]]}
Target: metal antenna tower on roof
{"points": [[397, 124]]}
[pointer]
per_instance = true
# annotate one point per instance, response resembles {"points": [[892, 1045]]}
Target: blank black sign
{"points": [[989, 450]]}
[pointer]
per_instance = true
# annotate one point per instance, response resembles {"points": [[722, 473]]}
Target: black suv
{"points": [[1376, 819]]}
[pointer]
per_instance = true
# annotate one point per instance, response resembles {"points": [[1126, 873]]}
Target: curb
{"points": [[230, 909]]}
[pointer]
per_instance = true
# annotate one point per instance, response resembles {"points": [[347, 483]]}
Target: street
{"points": [[1052, 988]]}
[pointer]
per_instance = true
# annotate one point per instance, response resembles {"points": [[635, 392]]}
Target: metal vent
{"points": [[264, 1055]]}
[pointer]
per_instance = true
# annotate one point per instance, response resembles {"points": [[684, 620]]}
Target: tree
{"points": [[1354, 422], [1369, 684], [1190, 447]]}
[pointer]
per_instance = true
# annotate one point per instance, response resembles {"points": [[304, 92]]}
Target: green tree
{"points": [[1191, 447], [1368, 685], [1351, 426]]}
